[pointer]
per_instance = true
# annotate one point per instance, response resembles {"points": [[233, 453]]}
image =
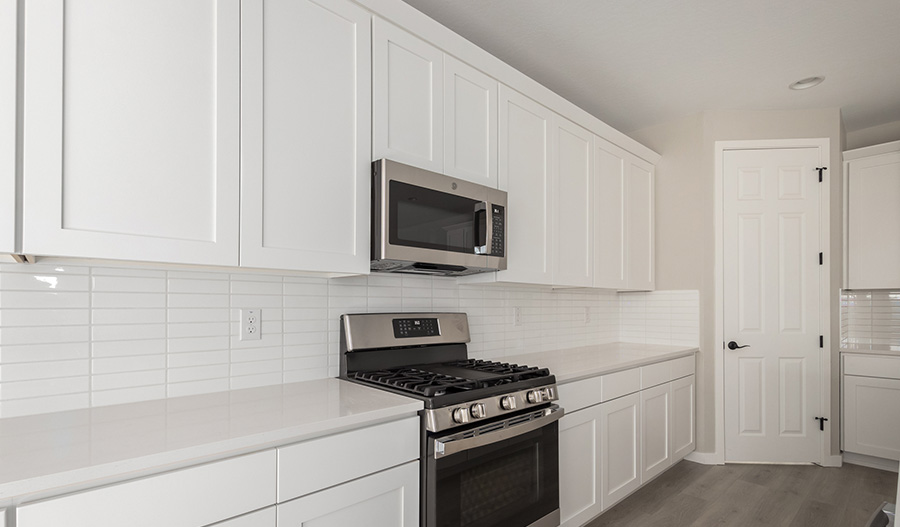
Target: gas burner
{"points": [[418, 381]]}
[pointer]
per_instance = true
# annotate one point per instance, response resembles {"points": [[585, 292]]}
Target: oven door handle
{"points": [[441, 449]]}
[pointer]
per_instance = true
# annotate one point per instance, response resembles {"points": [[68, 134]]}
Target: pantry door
{"points": [[772, 383]]}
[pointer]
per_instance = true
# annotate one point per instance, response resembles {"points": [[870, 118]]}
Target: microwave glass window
{"points": [[426, 218]]}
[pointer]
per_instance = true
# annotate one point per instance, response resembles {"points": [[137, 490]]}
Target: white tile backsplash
{"points": [[79, 336], [870, 320]]}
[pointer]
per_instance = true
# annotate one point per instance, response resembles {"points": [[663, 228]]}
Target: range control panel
{"points": [[416, 327]]}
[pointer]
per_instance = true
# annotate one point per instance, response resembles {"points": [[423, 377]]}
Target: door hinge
{"points": [[821, 421], [821, 341], [821, 259], [821, 169]]}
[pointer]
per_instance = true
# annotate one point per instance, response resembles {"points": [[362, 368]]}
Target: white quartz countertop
{"points": [[50, 454], [589, 361]]}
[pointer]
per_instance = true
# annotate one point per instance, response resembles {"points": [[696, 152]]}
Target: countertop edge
{"points": [[635, 363]]}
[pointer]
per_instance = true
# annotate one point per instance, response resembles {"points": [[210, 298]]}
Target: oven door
{"points": [[504, 473]]}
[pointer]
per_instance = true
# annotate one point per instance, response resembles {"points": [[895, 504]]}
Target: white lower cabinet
{"points": [[385, 499], [193, 497], [615, 436], [872, 416], [2, 517], [579, 466], [620, 448], [656, 428]]}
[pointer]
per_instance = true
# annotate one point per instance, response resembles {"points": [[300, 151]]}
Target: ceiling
{"points": [[638, 63]]}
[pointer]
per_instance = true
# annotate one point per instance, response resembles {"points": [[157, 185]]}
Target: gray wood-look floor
{"points": [[696, 495]]}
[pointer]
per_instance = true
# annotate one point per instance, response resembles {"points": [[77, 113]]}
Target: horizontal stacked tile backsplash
{"points": [[76, 336], [870, 320]]}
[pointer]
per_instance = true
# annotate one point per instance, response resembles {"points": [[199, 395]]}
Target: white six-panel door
{"points": [[524, 173], [771, 301], [306, 163], [131, 148], [8, 46], [407, 95]]}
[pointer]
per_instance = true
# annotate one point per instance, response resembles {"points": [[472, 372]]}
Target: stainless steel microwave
{"points": [[429, 223]]}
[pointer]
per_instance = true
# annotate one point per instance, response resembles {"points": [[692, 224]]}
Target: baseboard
{"points": [[833, 461], [870, 461], [705, 458]]}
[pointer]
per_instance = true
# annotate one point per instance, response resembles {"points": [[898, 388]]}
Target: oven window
{"points": [[512, 483], [421, 217]]}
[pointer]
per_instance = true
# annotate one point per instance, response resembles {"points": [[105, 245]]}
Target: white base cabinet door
{"points": [[8, 51], [384, 499], [620, 448], [683, 421], [407, 98], [306, 139], [656, 431], [579, 466], [132, 135], [872, 416]]}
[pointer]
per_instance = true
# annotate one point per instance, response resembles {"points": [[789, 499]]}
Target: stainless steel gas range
{"points": [[490, 436]]}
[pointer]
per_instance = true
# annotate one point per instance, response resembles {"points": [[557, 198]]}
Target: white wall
{"points": [[76, 336], [685, 220], [875, 135]]}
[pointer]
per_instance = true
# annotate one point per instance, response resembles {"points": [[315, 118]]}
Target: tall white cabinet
{"points": [[131, 143], [872, 217], [8, 47], [305, 103], [572, 204]]}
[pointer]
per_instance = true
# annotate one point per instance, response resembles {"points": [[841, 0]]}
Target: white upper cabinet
{"points": [[8, 47], [610, 163], [524, 173], [572, 229], [872, 215], [305, 102], [470, 123], [639, 226], [132, 130], [407, 95]]}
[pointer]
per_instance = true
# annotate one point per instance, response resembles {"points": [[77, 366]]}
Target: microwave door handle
{"points": [[482, 211]]}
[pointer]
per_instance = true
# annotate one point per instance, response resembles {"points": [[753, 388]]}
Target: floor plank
{"points": [[693, 495]]}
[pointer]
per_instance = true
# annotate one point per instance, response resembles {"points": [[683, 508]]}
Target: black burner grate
{"points": [[432, 384]]}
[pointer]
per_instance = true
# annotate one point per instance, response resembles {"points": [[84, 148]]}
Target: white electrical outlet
{"points": [[517, 316], [251, 324]]}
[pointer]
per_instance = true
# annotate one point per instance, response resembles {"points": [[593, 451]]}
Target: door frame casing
{"points": [[824, 146]]}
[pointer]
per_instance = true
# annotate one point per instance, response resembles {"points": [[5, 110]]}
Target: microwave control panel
{"points": [[498, 213]]}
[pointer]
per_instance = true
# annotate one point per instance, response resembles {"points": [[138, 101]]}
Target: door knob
{"points": [[734, 346]]}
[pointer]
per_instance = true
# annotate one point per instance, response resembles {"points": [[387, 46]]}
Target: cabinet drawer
{"points": [[872, 366], [579, 394], [192, 497], [309, 466], [661, 372], [620, 383]]}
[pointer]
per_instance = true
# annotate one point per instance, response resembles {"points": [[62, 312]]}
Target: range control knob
{"points": [[508, 402], [535, 396], [460, 415], [477, 411]]}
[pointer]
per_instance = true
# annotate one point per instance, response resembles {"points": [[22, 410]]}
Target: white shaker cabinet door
{"points": [[407, 95], [8, 47], [579, 466], [620, 448], [639, 226], [385, 499], [682, 421], [873, 222], [656, 431], [305, 168], [470, 123], [261, 518], [524, 173], [610, 164], [872, 416], [572, 231], [132, 130]]}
